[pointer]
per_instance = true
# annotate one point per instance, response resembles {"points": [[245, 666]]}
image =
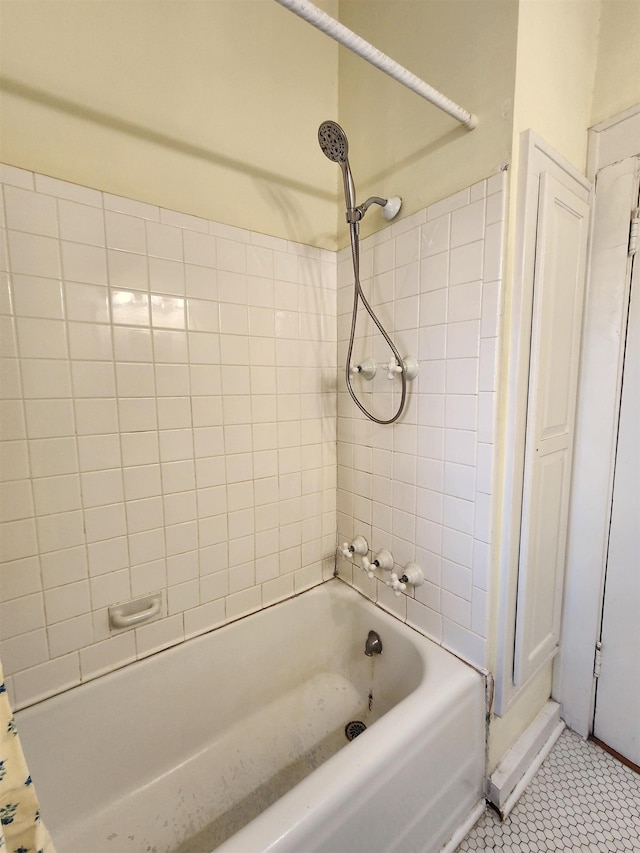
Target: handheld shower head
{"points": [[333, 141], [334, 145]]}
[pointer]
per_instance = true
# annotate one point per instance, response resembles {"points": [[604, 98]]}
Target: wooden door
{"points": [[559, 281]]}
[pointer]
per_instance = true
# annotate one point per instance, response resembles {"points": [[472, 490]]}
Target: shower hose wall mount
{"points": [[391, 209]]}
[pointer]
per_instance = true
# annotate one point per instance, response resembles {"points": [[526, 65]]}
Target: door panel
{"points": [[553, 374], [545, 546]]}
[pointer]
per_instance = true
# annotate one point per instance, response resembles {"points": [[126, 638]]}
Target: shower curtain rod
{"points": [[346, 37]]}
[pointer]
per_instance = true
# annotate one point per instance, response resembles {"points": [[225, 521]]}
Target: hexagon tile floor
{"points": [[581, 799]]}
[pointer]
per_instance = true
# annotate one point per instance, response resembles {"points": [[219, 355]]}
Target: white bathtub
{"points": [[235, 740]]}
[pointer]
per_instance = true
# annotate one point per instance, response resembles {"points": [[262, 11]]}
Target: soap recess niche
{"points": [[138, 611]]}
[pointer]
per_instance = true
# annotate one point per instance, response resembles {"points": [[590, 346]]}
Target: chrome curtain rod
{"points": [[346, 37]]}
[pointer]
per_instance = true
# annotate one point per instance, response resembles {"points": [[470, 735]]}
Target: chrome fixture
{"points": [[373, 646], [334, 145]]}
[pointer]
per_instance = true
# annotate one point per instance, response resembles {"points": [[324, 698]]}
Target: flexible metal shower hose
{"points": [[358, 294]]}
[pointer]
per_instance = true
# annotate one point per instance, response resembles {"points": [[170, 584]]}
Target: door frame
{"points": [[616, 721], [598, 407]]}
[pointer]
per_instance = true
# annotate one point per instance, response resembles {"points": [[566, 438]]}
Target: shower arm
{"points": [[355, 214], [346, 37], [375, 199]]}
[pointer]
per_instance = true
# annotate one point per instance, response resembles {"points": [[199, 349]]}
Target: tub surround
{"points": [[169, 423]]}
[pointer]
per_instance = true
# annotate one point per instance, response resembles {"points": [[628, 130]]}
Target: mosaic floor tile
{"points": [[581, 799]]}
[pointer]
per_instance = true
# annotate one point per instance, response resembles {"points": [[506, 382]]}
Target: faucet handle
{"points": [[396, 584], [382, 560], [409, 365], [358, 546], [368, 567], [392, 368], [367, 369]]}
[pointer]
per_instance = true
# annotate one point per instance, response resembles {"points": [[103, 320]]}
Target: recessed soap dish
{"points": [[135, 612]]}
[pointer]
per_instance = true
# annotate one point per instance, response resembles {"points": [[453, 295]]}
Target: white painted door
{"points": [[617, 714], [553, 376]]}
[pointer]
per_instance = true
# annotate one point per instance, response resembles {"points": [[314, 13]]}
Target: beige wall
{"points": [[617, 83], [555, 72], [211, 108], [159, 100], [401, 144], [206, 108]]}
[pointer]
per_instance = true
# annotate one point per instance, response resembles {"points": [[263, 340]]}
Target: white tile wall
{"points": [[168, 422], [167, 418], [422, 488]]}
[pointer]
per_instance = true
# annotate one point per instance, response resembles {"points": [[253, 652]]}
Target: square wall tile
{"points": [[32, 254], [37, 297], [81, 223], [84, 263], [30, 211]]}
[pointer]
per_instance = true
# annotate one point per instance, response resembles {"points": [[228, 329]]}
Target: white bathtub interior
{"points": [[237, 738]]}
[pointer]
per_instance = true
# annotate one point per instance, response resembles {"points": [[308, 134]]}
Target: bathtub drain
{"points": [[353, 729]]}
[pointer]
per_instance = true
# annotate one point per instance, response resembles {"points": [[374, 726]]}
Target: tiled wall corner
{"points": [[167, 423], [422, 488]]}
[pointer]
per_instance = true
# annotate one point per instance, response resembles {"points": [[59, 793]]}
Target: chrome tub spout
{"points": [[373, 646]]}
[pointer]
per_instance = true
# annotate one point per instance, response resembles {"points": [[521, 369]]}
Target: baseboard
{"points": [[465, 827], [521, 762]]}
